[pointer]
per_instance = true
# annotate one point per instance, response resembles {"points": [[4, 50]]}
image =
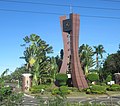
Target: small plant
{"points": [[88, 91], [96, 89], [37, 88], [73, 89], [9, 98], [109, 78], [114, 87], [55, 91], [64, 90], [93, 77], [62, 79]]}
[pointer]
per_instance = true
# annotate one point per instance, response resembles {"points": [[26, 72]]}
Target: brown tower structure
{"points": [[71, 61]]}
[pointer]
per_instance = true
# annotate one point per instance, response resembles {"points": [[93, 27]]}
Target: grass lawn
{"points": [[81, 94]]}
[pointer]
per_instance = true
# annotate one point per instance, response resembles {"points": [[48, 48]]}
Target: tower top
{"points": [[71, 8]]}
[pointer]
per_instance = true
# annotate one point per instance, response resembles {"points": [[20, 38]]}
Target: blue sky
{"points": [[14, 26]]}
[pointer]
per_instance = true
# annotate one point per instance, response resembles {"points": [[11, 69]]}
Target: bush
{"points": [[9, 98], [73, 89], [48, 81], [88, 91], [55, 91], [114, 87], [97, 89], [109, 78], [37, 88], [103, 84], [93, 77], [64, 90], [5, 92], [62, 79]]}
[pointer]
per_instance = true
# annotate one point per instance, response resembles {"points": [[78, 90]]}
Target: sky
{"points": [[20, 18]]}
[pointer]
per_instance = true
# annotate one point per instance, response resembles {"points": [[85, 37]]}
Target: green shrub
{"points": [[61, 78], [97, 89], [48, 81], [37, 88], [55, 91], [73, 89], [64, 90], [109, 78], [93, 77], [103, 84], [88, 91], [114, 87], [5, 92]]}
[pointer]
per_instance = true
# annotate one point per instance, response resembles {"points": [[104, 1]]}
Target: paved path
{"points": [[29, 101], [108, 101]]}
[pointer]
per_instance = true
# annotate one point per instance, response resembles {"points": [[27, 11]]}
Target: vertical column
{"points": [[26, 84], [78, 78], [66, 43]]}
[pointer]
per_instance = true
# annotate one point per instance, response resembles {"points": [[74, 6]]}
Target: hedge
{"points": [[37, 88], [63, 90], [61, 78], [97, 89], [114, 87], [93, 77]]}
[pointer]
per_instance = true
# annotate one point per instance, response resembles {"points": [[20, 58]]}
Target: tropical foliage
{"points": [[112, 64], [99, 50], [86, 59], [93, 77], [62, 79], [97, 89], [37, 59], [45, 69]]}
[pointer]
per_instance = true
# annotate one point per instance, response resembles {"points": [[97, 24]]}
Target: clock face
{"points": [[67, 25]]}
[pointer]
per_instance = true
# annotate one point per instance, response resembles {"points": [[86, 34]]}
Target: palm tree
{"points": [[86, 53], [99, 50]]}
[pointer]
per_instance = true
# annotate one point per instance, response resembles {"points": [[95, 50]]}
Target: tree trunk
{"points": [[97, 64]]}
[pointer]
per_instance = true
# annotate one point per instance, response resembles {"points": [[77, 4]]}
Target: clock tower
{"points": [[71, 62]]}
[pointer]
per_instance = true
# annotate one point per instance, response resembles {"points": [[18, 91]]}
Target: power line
{"points": [[28, 2], [111, 0], [48, 13], [61, 5], [100, 17], [36, 12]]}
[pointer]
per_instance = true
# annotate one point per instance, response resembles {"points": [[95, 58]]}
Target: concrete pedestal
{"points": [[26, 82]]}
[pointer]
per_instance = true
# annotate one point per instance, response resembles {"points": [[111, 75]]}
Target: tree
{"points": [[86, 53], [61, 54], [35, 55], [2, 78], [58, 62], [111, 64], [54, 67], [17, 74], [99, 50]]}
